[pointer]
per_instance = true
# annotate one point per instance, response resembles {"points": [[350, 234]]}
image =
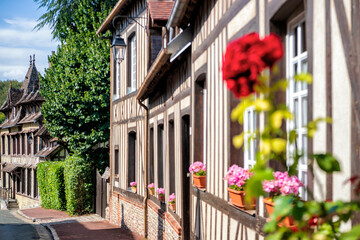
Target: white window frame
{"points": [[296, 97], [249, 130], [133, 65], [116, 93]]}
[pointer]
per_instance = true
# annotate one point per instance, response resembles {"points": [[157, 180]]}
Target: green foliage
{"points": [[78, 185], [62, 15], [51, 185], [76, 86], [4, 88], [327, 162]]}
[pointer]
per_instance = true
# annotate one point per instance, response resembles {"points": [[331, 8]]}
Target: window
{"points": [[3, 144], [28, 144], [13, 144], [151, 162], [23, 143], [249, 138], [201, 119], [132, 162], [36, 144], [297, 93], [17, 144], [35, 184], [22, 180], [9, 145], [131, 86], [116, 159], [28, 182], [171, 157], [116, 81], [161, 156]]}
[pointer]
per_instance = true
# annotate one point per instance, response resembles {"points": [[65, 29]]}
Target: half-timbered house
{"points": [[187, 108], [25, 141]]}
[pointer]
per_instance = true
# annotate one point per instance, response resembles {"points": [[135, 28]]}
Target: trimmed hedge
{"points": [[51, 185], [78, 185]]}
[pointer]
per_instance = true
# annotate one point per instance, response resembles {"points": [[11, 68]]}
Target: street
{"points": [[12, 227]]}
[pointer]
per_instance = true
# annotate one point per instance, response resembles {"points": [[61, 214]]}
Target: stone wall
{"points": [[127, 213], [161, 224], [26, 202]]}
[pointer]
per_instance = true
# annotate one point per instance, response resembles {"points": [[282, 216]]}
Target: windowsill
{"points": [[250, 212], [161, 205], [173, 214]]}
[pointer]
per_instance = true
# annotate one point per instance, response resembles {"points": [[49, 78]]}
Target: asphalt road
{"points": [[13, 228]]}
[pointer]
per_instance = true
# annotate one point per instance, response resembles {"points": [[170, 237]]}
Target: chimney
{"points": [[30, 61]]}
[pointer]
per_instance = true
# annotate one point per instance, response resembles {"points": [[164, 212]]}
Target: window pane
{"points": [[304, 69], [294, 73], [304, 149], [304, 111], [296, 106], [303, 37], [295, 43]]}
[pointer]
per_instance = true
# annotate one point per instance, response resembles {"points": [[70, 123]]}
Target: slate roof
{"points": [[31, 118], [8, 123], [13, 97], [160, 10], [47, 151], [42, 132]]}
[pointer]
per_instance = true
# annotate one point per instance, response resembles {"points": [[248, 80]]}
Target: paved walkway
{"points": [[89, 227]]}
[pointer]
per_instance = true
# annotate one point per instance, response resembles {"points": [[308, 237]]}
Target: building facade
{"points": [[186, 108], [25, 141]]}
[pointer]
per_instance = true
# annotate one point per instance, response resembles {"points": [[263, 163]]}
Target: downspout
{"points": [[146, 166]]}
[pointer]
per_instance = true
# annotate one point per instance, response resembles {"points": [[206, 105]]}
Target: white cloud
{"points": [[18, 41]]}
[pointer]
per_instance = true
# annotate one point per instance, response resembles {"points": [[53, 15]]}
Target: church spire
{"points": [[30, 61]]}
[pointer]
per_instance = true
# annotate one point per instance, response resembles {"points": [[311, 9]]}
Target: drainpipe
{"points": [[146, 167]]}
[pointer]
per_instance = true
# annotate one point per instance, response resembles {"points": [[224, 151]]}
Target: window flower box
{"points": [[198, 170]]}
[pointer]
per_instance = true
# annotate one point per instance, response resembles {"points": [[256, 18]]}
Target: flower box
{"points": [[133, 189], [199, 181], [161, 197], [237, 198], [270, 205], [172, 206], [152, 191]]}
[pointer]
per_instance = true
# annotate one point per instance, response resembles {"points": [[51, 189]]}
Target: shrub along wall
{"points": [[51, 185], [79, 185]]}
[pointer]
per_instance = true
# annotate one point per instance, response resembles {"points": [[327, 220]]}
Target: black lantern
{"points": [[30, 139], [118, 48]]}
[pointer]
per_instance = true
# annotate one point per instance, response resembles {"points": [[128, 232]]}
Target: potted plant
{"points": [[133, 186], [161, 194], [284, 185], [151, 188], [237, 177], [198, 170], [172, 205]]}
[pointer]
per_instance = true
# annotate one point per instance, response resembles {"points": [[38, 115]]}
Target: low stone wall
{"points": [[161, 224], [26, 202], [127, 213]]}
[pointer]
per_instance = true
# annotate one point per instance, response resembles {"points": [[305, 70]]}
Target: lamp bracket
{"points": [[127, 17]]}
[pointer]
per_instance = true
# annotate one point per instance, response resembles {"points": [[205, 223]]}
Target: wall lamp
{"points": [[118, 46]]}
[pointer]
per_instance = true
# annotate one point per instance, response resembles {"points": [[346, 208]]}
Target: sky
{"points": [[18, 40]]}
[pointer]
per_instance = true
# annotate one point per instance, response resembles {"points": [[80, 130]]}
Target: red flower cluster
{"points": [[245, 58]]}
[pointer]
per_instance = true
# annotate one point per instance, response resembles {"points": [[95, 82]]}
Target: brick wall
{"points": [[127, 213], [161, 225]]}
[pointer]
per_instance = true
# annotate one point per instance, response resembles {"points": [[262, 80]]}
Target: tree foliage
{"points": [[60, 15], [4, 88], [76, 86]]}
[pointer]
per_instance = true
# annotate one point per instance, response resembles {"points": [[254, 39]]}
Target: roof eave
{"points": [[155, 68]]}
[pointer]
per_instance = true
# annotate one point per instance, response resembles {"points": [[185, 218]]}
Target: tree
{"points": [[76, 86], [60, 15]]}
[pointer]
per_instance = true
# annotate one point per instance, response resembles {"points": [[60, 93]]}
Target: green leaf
{"points": [[238, 140], [327, 162], [353, 234]]}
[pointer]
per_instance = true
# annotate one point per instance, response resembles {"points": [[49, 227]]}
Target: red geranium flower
{"points": [[245, 58]]}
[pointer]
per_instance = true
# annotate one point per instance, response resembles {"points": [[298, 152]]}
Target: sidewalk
{"points": [[89, 227]]}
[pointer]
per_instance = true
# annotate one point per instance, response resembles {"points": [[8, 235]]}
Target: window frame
{"points": [[132, 64], [249, 128], [300, 93]]}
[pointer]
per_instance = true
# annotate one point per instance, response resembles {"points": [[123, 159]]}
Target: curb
{"points": [[47, 226]]}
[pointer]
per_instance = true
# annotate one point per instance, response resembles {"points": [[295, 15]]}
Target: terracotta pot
{"points": [[161, 197], [133, 189], [199, 181], [172, 206], [237, 198], [270, 205], [152, 191]]}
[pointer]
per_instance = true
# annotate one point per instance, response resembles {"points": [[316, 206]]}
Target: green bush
{"points": [[51, 185], [78, 185]]}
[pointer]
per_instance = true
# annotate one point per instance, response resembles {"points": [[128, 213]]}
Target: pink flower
{"points": [[198, 167], [133, 184], [283, 184], [151, 186], [172, 198], [160, 191], [237, 176]]}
